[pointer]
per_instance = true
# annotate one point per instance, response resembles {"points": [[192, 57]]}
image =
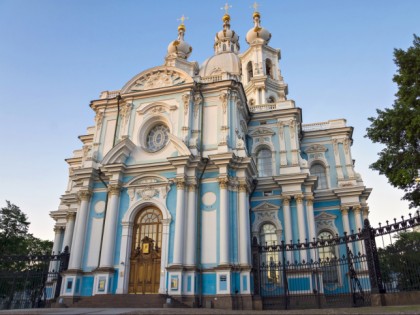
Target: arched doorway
{"points": [[146, 252]]}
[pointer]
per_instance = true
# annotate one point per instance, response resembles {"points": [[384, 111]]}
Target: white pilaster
{"points": [[108, 242], [123, 275], [287, 225], [244, 228], [359, 227], [68, 233], [179, 223], [224, 221], [75, 262], [301, 226], [191, 241], [311, 222], [345, 217]]}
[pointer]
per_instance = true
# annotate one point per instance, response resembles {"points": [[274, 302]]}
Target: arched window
{"points": [[249, 71], [268, 236], [327, 258], [319, 171], [268, 68], [264, 163]]}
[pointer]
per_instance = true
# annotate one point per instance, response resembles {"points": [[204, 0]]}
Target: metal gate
{"points": [[30, 281], [345, 278]]}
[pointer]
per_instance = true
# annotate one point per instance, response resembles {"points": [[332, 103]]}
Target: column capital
{"points": [[309, 200], [114, 189], [70, 216], [84, 194], [286, 200], [365, 210], [357, 209], [243, 187], [298, 198], [191, 187], [223, 182], [58, 229], [344, 210], [180, 183]]}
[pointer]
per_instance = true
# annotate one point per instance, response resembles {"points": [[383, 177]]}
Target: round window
{"points": [[157, 138]]}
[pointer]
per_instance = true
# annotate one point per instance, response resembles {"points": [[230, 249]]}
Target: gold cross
{"points": [[182, 19], [255, 6], [226, 8]]}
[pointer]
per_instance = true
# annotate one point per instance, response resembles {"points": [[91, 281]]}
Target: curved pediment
{"points": [[158, 77], [119, 153], [316, 148], [261, 131]]}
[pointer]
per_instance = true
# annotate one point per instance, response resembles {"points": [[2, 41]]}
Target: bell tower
{"points": [[261, 75]]}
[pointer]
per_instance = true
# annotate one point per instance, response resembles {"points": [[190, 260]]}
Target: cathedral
{"points": [[188, 165]]}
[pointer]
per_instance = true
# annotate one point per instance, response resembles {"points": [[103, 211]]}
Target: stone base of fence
{"points": [[396, 298]]}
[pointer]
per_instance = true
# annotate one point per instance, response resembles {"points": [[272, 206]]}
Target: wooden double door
{"points": [[145, 260]]}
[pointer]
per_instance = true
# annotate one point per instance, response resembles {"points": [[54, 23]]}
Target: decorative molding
{"points": [[262, 131], [265, 206], [326, 221], [157, 79], [186, 100], [316, 148]]}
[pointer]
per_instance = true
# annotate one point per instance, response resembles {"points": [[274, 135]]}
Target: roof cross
{"points": [[255, 6], [182, 19], [226, 8]]}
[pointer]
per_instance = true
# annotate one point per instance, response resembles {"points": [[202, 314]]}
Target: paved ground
{"points": [[388, 310]]}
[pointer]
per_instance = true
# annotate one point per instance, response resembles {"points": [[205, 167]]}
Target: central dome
{"points": [[223, 63]]}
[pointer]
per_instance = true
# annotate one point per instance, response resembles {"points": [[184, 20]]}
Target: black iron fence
{"points": [[30, 281], [341, 271]]}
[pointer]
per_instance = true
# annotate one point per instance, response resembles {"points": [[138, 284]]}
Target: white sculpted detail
{"points": [[147, 188], [156, 80]]}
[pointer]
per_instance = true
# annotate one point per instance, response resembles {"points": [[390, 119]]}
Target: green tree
{"points": [[398, 128], [14, 236], [400, 262]]}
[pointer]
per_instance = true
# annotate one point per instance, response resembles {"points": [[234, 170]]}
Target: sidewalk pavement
{"points": [[387, 310]]}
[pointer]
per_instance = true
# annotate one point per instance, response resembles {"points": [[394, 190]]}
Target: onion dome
{"points": [[226, 48], [258, 34], [179, 48], [226, 40]]}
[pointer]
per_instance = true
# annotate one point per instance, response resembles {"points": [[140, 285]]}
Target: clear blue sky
{"points": [[56, 56]]}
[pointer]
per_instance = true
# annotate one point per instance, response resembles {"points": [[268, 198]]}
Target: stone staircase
{"points": [[127, 301]]}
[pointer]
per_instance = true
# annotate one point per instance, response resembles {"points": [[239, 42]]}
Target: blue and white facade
{"points": [[187, 163]]}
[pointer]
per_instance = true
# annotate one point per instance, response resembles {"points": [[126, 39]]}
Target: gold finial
{"points": [[255, 6], [226, 8], [182, 25]]}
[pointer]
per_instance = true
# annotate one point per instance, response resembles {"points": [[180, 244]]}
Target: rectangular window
{"points": [[268, 193], [223, 282]]}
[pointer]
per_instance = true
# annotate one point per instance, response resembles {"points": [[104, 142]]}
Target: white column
{"points": [[191, 245], [56, 248], [108, 242], [359, 227], [164, 256], [68, 233], [301, 226], [345, 217], [365, 213], [57, 236], [311, 222], [244, 236], [79, 235], [287, 225], [224, 221], [179, 223], [123, 279]]}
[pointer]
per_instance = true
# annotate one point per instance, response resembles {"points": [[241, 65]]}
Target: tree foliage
{"points": [[14, 236], [400, 263], [398, 128]]}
